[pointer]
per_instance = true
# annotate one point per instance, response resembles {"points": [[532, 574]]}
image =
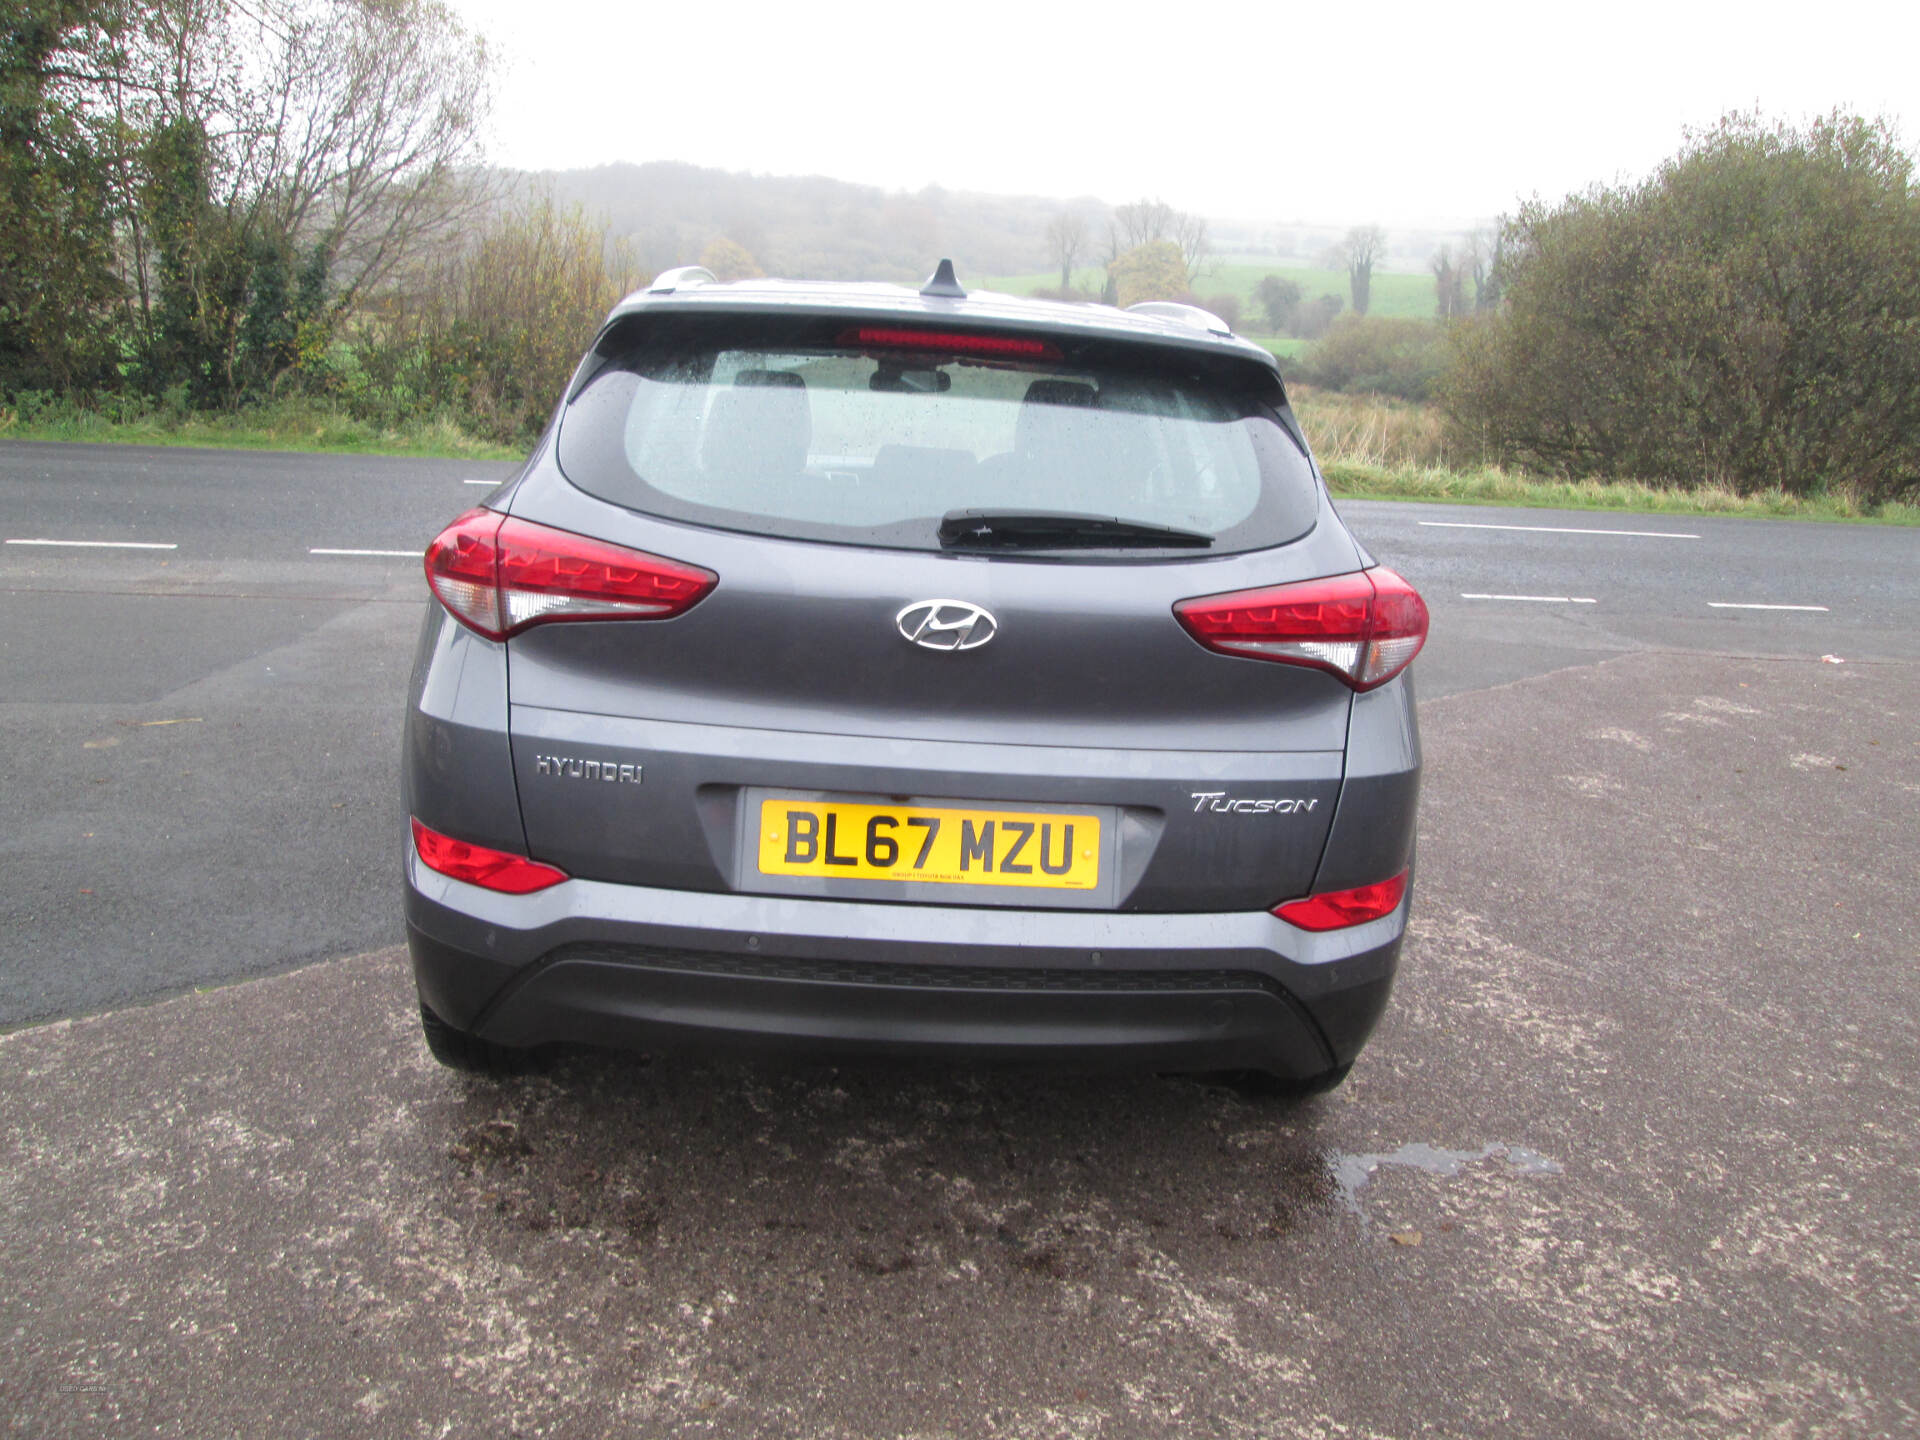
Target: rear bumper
{"points": [[642, 968]]}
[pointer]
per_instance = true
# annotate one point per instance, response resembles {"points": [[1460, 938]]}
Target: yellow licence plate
{"points": [[832, 839]]}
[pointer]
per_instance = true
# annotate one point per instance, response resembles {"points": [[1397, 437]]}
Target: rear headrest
{"points": [[1058, 392], [1050, 427], [762, 426], [778, 379]]}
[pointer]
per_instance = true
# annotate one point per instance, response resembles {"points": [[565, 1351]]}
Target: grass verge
{"points": [[1370, 449], [1352, 480], [289, 425], [1376, 448]]}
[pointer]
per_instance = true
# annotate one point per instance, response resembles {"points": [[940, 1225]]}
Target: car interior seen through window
{"points": [[876, 446]]}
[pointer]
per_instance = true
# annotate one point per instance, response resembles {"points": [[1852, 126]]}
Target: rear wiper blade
{"points": [[1058, 530]]}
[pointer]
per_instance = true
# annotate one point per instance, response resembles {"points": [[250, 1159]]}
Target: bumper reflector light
{"points": [[1337, 909], [477, 865]]}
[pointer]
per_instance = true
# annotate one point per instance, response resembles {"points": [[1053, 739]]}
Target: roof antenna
{"points": [[944, 282]]}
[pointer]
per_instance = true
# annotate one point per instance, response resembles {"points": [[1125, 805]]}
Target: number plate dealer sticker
{"points": [[833, 839]]}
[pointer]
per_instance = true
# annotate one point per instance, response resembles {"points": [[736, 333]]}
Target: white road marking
{"points": [[403, 554], [1747, 605], [479, 482], [1542, 599], [100, 544], [1558, 530]]}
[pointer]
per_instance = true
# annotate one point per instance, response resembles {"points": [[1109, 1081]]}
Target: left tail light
{"points": [[498, 575], [477, 865], [1365, 627]]}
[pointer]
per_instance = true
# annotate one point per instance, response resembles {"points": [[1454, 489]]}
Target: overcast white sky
{"points": [[1345, 110]]}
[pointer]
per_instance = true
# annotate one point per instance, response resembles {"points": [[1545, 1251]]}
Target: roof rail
{"points": [[683, 278], [1182, 315]]}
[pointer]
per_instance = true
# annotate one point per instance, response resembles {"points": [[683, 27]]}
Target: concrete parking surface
{"points": [[1634, 1154]]}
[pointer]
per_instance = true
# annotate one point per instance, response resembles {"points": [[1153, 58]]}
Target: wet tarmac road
{"points": [[1633, 1154], [204, 737]]}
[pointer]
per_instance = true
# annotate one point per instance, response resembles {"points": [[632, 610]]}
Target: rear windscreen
{"points": [[820, 430]]}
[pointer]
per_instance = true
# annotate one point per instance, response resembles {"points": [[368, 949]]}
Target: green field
{"points": [[1287, 347], [1394, 294]]}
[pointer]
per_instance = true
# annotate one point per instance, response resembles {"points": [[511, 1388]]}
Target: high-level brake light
{"points": [[498, 575], [477, 865], [1365, 627], [949, 342], [1337, 909]]}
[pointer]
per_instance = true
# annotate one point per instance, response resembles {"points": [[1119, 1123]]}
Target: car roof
{"points": [[1181, 326]]}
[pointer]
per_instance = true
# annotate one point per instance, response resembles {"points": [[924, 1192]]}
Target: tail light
{"points": [[498, 575], [477, 865], [1337, 909], [1365, 627]]}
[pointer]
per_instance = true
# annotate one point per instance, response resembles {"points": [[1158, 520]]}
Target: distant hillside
{"points": [[812, 227]]}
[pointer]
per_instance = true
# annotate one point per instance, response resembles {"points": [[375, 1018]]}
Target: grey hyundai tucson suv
{"points": [[878, 670]]}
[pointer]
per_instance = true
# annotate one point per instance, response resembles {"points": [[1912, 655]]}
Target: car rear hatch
{"points": [[939, 658]]}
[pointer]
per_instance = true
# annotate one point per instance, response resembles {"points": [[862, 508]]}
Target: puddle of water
{"points": [[1352, 1172]]}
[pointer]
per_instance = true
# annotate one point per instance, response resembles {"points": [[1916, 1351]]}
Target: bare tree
{"points": [[1067, 241], [347, 126], [1145, 221], [371, 146], [1449, 280], [1483, 261], [1357, 252], [1140, 223], [1190, 234]]}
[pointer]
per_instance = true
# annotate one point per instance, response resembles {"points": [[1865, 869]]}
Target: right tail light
{"points": [[1365, 627]]}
